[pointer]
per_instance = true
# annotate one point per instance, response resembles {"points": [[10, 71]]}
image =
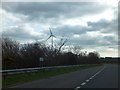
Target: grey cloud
{"points": [[84, 42], [112, 27], [53, 10], [85, 39], [68, 30], [88, 41], [100, 24], [21, 33], [104, 26], [108, 40]]}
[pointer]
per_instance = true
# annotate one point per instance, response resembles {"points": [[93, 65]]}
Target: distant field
{"points": [[26, 77]]}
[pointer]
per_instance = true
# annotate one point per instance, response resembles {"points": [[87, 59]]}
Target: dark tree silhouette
{"points": [[10, 53], [93, 57], [31, 54], [15, 55]]}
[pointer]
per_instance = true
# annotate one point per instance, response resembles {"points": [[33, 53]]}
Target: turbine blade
{"points": [[54, 36], [48, 37], [50, 31]]}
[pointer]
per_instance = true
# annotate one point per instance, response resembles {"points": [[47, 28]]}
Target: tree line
{"points": [[15, 55], [110, 60]]}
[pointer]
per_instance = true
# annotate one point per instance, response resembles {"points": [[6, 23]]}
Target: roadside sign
{"points": [[41, 59]]}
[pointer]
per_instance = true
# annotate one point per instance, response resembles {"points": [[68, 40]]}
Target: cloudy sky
{"points": [[91, 25]]}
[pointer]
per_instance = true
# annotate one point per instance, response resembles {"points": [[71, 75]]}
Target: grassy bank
{"points": [[25, 77]]}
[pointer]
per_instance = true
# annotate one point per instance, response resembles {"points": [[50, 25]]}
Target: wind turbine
{"points": [[51, 36]]}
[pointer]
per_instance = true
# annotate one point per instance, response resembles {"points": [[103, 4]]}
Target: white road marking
{"points": [[77, 87], [90, 78], [83, 83], [87, 80], [98, 72]]}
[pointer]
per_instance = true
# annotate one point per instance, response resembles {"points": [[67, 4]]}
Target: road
{"points": [[108, 78], [105, 76]]}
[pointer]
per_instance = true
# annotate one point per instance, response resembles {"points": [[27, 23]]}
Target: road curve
{"points": [[105, 76]]}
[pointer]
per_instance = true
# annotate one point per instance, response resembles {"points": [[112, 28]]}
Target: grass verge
{"points": [[26, 77]]}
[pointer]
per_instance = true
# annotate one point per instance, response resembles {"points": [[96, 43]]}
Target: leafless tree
{"points": [[77, 49], [62, 43], [10, 52]]}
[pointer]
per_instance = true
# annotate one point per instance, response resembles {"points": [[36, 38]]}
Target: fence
{"points": [[17, 71]]}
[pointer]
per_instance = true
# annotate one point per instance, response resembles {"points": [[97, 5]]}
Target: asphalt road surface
{"points": [[105, 76]]}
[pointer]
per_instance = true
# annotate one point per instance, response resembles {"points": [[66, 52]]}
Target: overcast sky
{"points": [[91, 25]]}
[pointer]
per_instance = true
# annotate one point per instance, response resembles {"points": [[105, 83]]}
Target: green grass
{"points": [[25, 77]]}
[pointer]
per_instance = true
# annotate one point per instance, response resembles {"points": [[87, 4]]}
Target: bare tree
{"points": [[10, 52], [62, 43], [77, 49]]}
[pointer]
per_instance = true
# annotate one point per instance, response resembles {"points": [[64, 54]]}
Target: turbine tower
{"points": [[51, 36]]}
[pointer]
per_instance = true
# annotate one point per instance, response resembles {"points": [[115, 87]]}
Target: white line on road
{"points": [[98, 72], [77, 87], [83, 83], [90, 78], [87, 80]]}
